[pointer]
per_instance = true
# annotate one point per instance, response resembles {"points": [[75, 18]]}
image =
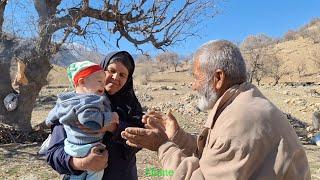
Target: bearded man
{"points": [[245, 135]]}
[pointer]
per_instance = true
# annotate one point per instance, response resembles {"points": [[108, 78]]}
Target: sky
{"points": [[241, 18]]}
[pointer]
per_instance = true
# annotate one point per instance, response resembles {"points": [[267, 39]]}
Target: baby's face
{"points": [[95, 83]]}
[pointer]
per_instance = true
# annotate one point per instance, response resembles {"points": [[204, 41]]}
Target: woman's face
{"points": [[117, 76]]}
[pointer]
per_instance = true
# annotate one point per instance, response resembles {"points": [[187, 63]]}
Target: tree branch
{"points": [[3, 4], [137, 23]]}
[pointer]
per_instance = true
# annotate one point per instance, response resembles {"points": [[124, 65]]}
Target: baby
{"points": [[86, 105]]}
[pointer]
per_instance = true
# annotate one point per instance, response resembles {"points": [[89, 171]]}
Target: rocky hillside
{"points": [[298, 51], [73, 53]]}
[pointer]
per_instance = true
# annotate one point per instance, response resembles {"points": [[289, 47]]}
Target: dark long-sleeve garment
{"points": [[121, 163], [56, 157], [122, 159]]}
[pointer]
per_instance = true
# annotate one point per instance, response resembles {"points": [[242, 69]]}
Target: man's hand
{"points": [[168, 122], [94, 161], [151, 138]]}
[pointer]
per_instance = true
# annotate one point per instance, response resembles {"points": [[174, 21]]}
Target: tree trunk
{"points": [[20, 118], [6, 53], [276, 81], [251, 76], [5, 89], [258, 82], [36, 71]]}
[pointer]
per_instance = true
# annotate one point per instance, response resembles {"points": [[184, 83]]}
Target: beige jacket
{"points": [[245, 137]]}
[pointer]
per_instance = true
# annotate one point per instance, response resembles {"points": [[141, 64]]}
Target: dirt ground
{"points": [[163, 90]]}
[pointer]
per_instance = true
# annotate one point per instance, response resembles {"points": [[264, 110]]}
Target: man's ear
{"points": [[219, 78]]}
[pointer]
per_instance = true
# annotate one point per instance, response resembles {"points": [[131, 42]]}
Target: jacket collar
{"points": [[224, 101]]}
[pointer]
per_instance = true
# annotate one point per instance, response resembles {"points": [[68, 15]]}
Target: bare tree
{"points": [[311, 30], [143, 58], [144, 75], [161, 63], [255, 63], [314, 35], [290, 35], [301, 68], [174, 60], [254, 49], [316, 60], [57, 22], [275, 68], [167, 59]]}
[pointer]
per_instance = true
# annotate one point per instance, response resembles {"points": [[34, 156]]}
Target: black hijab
{"points": [[125, 98]]}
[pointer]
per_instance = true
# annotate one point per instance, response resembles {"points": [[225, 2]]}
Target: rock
{"points": [[299, 126], [316, 139], [299, 102], [46, 99], [314, 93], [310, 135], [316, 120], [285, 92], [310, 129], [171, 88], [144, 97], [287, 101], [163, 87], [189, 97]]}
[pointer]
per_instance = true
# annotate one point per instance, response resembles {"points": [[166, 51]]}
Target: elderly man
{"points": [[245, 135]]}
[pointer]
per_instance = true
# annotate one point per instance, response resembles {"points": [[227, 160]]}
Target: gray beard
{"points": [[207, 98]]}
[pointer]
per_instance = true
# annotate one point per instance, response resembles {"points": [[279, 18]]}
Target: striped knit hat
{"points": [[82, 69]]}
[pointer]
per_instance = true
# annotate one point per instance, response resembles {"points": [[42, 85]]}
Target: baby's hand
{"points": [[113, 125], [115, 118]]}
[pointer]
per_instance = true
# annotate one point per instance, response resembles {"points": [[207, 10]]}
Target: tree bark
{"points": [[3, 4], [8, 117], [36, 71], [20, 118]]}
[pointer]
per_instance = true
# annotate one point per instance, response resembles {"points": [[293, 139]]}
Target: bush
{"points": [[145, 73]]}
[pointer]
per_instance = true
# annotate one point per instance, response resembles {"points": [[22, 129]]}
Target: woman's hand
{"points": [[94, 161]]}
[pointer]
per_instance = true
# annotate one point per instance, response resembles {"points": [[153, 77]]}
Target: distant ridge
{"points": [[75, 52]]}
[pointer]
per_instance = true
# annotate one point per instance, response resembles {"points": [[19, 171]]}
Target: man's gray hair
{"points": [[224, 55]]}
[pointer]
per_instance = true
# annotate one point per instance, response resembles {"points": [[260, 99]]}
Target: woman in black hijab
{"points": [[121, 164], [122, 160]]}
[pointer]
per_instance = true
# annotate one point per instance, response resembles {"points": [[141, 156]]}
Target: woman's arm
{"points": [[126, 120], [56, 157], [63, 163]]}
